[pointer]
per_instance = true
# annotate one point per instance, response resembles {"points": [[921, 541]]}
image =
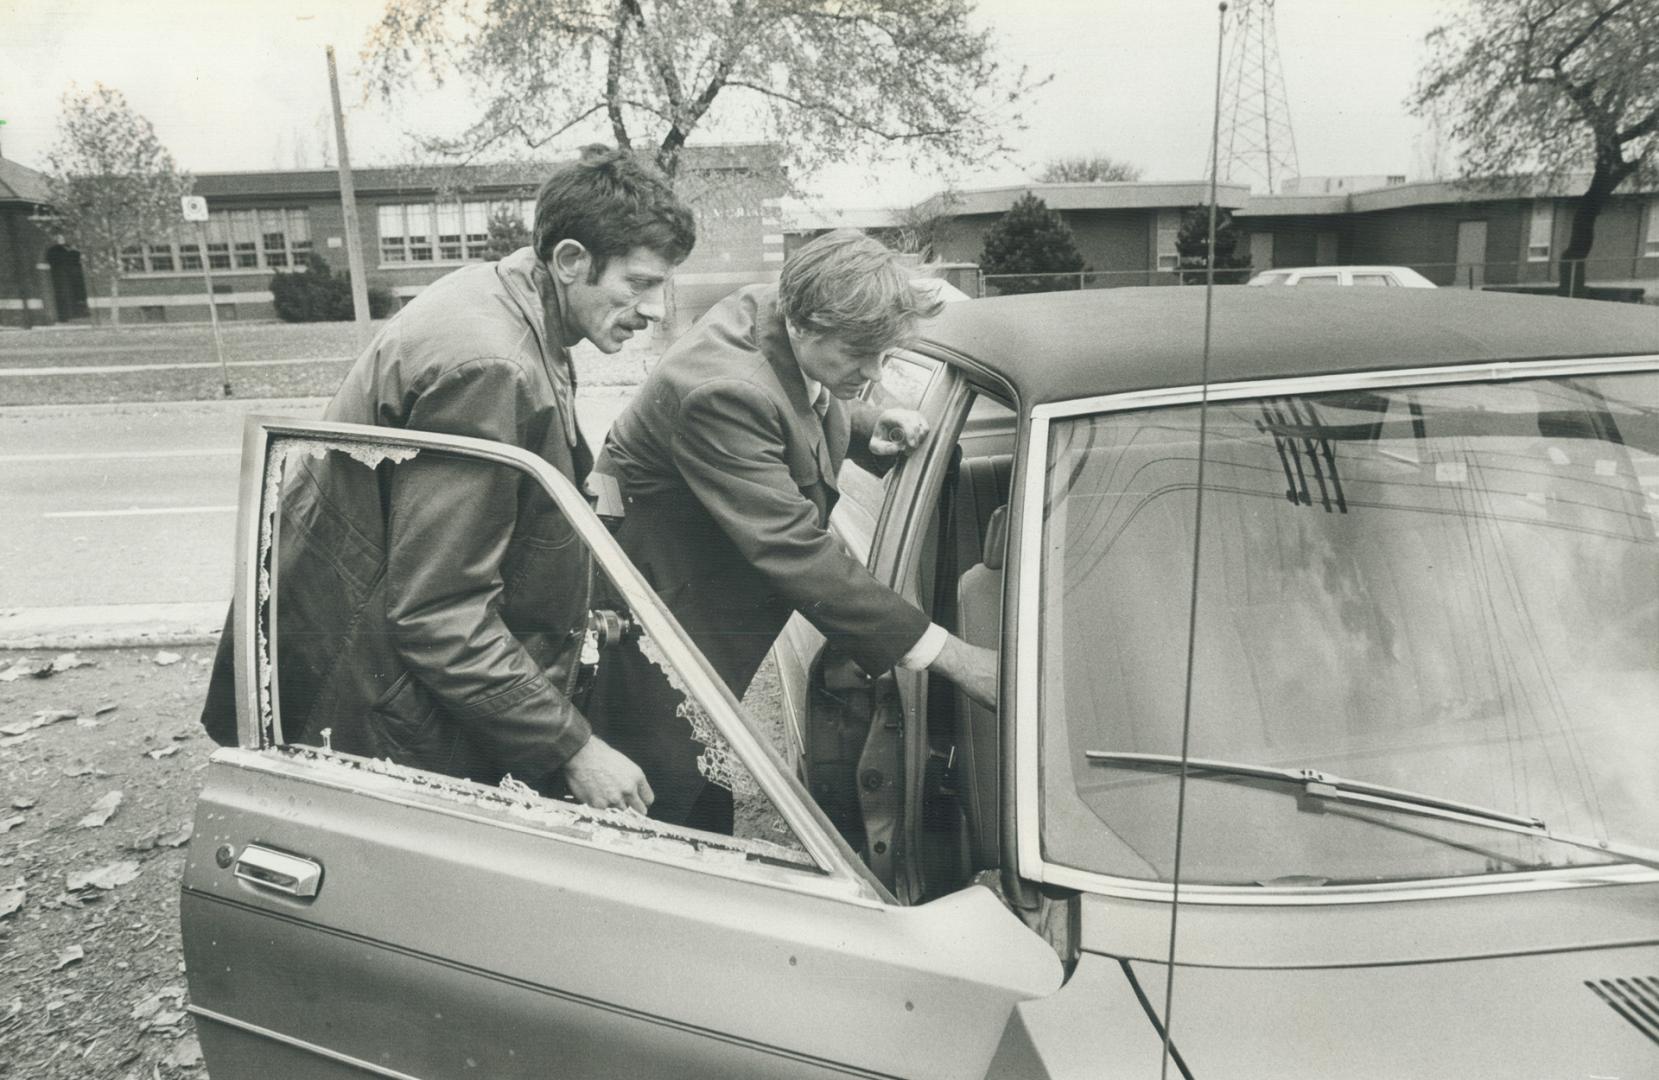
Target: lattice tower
{"points": [[1257, 144]]}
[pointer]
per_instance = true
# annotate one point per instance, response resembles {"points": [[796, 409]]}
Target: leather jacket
{"points": [[430, 611]]}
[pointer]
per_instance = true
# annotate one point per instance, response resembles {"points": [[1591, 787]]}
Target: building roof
{"points": [[1064, 345], [21, 184], [1123, 195], [1423, 193]]}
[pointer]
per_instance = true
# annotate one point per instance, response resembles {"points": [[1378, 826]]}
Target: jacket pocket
{"points": [[408, 726]]}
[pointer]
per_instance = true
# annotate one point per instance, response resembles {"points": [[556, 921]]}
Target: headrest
{"points": [[996, 538]]}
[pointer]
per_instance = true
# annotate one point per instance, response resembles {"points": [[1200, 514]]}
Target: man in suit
{"points": [[726, 461], [431, 609]]}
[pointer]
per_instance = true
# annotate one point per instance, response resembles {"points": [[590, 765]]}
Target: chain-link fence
{"points": [[1633, 280]]}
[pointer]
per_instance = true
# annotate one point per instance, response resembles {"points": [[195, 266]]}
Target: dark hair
{"points": [[610, 202]]}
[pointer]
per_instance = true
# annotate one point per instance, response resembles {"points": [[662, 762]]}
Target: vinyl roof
{"points": [[1059, 346]]}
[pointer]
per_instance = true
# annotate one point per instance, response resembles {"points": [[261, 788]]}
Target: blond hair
{"points": [[852, 287]]}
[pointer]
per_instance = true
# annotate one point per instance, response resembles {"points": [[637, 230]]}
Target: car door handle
{"points": [[279, 871]]}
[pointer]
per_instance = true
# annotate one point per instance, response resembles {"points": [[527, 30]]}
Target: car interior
{"points": [[960, 581]]}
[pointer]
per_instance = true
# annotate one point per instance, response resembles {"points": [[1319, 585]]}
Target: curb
{"points": [[111, 626]]}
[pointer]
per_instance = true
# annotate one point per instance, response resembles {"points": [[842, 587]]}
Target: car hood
{"points": [[1582, 1014]]}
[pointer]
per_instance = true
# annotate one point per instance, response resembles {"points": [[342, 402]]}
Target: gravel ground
{"points": [[91, 975]]}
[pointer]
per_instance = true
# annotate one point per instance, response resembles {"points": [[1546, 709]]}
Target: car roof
{"points": [[1063, 345]]}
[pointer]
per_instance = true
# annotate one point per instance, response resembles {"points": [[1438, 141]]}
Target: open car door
{"points": [[345, 916]]}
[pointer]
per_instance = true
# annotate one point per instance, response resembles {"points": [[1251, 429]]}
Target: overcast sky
{"points": [[241, 84]]}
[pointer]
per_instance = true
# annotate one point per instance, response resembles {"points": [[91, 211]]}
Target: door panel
{"points": [[450, 941], [463, 929]]}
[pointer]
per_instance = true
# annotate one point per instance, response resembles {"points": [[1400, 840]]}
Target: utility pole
{"points": [[348, 205]]}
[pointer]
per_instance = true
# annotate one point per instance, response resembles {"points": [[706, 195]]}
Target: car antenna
{"points": [[1197, 539]]}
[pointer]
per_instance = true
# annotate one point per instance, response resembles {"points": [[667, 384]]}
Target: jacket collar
{"points": [[531, 287]]}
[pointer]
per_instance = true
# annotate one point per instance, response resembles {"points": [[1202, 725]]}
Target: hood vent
{"points": [[1636, 999]]}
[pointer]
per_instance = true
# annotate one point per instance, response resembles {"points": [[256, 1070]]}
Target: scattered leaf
{"points": [[22, 802], [71, 954], [8, 824], [102, 811], [104, 877], [16, 727], [13, 740], [108, 706], [187, 1054], [165, 751], [67, 661], [14, 1008], [165, 658], [152, 1006], [53, 716], [166, 1019], [86, 722], [27, 666], [10, 900], [81, 768]]}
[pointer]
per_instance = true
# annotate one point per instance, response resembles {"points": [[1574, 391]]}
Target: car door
{"points": [[346, 916]]}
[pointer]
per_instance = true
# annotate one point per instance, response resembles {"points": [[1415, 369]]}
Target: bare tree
{"points": [[821, 80], [113, 185], [1087, 170], [1546, 87]]}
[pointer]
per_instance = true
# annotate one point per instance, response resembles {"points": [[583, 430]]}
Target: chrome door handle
{"points": [[279, 871]]}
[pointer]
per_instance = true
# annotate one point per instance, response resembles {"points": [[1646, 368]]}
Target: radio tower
{"points": [[1257, 145]]}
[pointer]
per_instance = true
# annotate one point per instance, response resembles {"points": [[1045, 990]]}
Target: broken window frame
{"points": [[266, 445]]}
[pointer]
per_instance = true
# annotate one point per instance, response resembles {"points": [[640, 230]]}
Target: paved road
{"points": [[136, 504]]}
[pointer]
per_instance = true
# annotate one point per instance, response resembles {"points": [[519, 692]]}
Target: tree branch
{"points": [[843, 115]]}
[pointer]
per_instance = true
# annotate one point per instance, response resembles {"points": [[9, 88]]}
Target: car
{"points": [[1400, 276], [1324, 742]]}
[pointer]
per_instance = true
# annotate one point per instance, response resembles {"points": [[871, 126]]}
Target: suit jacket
{"points": [[730, 478], [424, 603]]}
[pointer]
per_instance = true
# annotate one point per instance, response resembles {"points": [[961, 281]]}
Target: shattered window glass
{"points": [[435, 617]]}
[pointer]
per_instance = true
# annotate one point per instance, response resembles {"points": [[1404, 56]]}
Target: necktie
{"points": [[820, 404]]}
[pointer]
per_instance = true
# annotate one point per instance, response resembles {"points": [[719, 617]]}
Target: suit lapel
{"points": [[773, 339]]}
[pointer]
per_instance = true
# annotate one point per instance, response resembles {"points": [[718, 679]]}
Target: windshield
{"points": [[1450, 590]]}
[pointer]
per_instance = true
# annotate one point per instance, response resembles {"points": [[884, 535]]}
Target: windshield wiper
{"points": [[1317, 785]]}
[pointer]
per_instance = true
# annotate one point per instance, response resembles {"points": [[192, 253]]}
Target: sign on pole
{"points": [[194, 208]]}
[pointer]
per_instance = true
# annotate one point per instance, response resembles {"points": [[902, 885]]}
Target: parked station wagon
{"points": [[1386, 276], [1326, 741]]}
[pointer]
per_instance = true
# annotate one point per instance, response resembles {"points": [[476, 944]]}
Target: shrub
{"points": [[1031, 239], [317, 294]]}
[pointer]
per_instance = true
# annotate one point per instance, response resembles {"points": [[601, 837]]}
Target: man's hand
{"points": [[971, 667], [600, 776], [897, 431]]}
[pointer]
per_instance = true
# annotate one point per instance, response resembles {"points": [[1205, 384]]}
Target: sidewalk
{"points": [[108, 626]]}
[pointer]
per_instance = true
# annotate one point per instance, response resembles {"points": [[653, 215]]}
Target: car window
{"points": [[436, 616], [1319, 279], [1374, 279], [1270, 279], [1448, 590], [905, 378]]}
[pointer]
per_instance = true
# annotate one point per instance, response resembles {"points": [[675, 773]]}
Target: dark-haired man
{"points": [[446, 643]]}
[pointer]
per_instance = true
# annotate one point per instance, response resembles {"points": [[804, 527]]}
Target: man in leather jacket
{"points": [[431, 609]]}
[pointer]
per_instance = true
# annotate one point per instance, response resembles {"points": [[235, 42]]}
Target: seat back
{"points": [[979, 610]]}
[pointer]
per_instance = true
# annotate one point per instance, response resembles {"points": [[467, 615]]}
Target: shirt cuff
{"points": [[926, 650]]}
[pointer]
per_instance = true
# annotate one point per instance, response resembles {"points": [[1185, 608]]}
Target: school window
{"points": [[1543, 229], [441, 232], [1169, 228], [449, 232], [269, 239], [476, 221]]}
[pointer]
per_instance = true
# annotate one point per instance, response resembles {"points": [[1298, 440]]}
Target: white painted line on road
{"points": [[121, 455], [120, 369], [137, 511]]}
